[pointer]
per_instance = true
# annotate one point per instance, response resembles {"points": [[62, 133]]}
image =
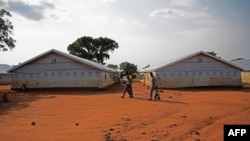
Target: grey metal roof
{"points": [[4, 68], [179, 59], [76, 58], [245, 64]]}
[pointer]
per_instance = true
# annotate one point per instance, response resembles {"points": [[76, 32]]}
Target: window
{"points": [[53, 61], [90, 74], [199, 60], [52, 74], [38, 75], [207, 73], [82, 74], [31, 75], [16, 75], [172, 75], [200, 74], [67, 74], [45, 75], [97, 74], [194, 74], [214, 73], [59, 75], [75, 74], [221, 73], [179, 74], [186, 74], [235, 73]]}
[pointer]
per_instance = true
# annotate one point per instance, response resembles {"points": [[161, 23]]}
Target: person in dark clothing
{"points": [[127, 87], [130, 78], [152, 86], [24, 87]]}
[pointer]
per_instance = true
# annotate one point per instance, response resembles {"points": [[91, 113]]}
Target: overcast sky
{"points": [[147, 31]]}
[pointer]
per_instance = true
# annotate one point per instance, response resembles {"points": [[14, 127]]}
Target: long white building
{"points": [[56, 69], [195, 70]]}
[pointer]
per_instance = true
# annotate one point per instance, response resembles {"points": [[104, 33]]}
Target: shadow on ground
{"points": [[162, 100], [19, 100]]}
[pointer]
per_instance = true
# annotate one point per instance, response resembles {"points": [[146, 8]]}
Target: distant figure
{"points": [[5, 97], [24, 87], [152, 86], [127, 87]]}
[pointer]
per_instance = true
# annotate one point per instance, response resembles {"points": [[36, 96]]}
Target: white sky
{"points": [[147, 31]]}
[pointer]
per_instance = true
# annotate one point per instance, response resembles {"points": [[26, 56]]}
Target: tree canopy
{"points": [[113, 66], [6, 31], [128, 67], [95, 49]]}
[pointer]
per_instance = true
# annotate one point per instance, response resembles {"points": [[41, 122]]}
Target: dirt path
{"points": [[192, 114]]}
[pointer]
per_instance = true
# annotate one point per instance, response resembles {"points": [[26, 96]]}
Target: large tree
{"points": [[95, 49], [6, 31], [128, 67]]}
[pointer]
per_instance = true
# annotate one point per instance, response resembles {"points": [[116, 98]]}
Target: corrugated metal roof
{"points": [[89, 62], [160, 65], [245, 64], [179, 59], [76, 58], [4, 68]]}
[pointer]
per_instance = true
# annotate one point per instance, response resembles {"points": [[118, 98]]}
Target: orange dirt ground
{"points": [[88, 115]]}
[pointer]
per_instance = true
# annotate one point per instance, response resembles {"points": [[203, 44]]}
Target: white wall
{"points": [[5, 78]]}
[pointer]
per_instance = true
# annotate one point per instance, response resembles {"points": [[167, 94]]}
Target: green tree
{"points": [[95, 49], [128, 67], [113, 66], [6, 31]]}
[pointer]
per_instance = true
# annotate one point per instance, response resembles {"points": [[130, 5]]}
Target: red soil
{"points": [[77, 115]]}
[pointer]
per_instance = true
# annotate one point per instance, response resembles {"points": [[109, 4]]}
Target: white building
{"points": [[5, 78], [195, 70], [245, 74], [56, 69]]}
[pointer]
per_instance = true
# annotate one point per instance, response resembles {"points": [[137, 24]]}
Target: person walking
{"points": [[152, 86], [127, 87], [130, 85]]}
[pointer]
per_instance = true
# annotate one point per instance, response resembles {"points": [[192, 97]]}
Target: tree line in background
{"points": [[125, 67]]}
